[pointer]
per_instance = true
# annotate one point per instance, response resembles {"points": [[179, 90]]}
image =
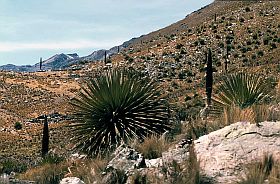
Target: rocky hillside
{"points": [[242, 36]]}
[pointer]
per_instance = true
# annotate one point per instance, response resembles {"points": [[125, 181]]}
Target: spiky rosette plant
{"points": [[241, 90], [114, 108]]}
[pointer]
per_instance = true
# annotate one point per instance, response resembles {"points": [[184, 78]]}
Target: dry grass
{"points": [[254, 114], [234, 114], [187, 172], [192, 173], [152, 147], [274, 177], [138, 178], [46, 174], [88, 170], [258, 172]]}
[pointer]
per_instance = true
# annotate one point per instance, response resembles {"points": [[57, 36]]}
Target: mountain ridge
{"points": [[63, 61]]}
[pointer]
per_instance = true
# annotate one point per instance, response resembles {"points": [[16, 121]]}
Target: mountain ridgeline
{"points": [[64, 61]]}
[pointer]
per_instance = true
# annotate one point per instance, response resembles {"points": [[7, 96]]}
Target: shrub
{"points": [[8, 166], [273, 46], [179, 46], [255, 36], [183, 51], [247, 9], [221, 44], [242, 20], [202, 41], [243, 49], [115, 107], [266, 40], [18, 126], [254, 56], [52, 159], [260, 53], [242, 90]]}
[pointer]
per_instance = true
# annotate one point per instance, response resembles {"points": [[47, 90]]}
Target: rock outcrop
{"points": [[127, 159], [222, 154]]}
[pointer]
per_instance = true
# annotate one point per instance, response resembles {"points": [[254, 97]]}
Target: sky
{"points": [[30, 29]]}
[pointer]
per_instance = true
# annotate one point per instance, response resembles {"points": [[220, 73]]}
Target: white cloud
{"points": [[78, 44]]}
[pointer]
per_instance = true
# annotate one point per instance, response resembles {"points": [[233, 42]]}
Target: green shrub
{"points": [[266, 40], [260, 53], [7, 166], [179, 46], [52, 159], [18, 126], [242, 20], [115, 107], [242, 90]]}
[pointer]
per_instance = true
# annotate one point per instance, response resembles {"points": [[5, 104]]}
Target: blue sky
{"points": [[30, 29]]}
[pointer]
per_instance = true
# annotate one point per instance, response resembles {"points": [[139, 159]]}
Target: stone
{"points": [[71, 180], [224, 153], [127, 159]]}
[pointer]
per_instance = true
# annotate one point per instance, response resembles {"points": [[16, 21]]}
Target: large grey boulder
{"points": [[224, 153]]}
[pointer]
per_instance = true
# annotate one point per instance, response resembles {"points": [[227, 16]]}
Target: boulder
{"points": [[126, 159], [123, 164], [224, 153], [71, 180]]}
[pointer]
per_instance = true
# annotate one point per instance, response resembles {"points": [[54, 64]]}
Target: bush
{"points": [[52, 159], [179, 46], [18, 126], [8, 166], [260, 53], [266, 40], [247, 9], [241, 90], [115, 107], [242, 20]]}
